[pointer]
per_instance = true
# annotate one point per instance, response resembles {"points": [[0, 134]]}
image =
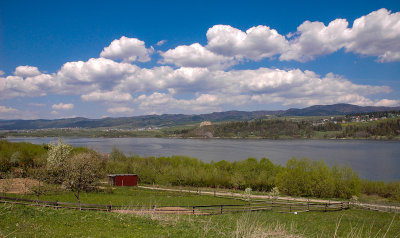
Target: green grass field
{"points": [[25, 221], [134, 196], [19, 221]]}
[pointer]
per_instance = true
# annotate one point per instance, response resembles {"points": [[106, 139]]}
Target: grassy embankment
{"points": [[20, 221]]}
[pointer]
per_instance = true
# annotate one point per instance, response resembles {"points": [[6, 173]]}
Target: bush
{"points": [[305, 178]]}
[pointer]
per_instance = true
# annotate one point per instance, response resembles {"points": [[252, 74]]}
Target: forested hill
{"points": [[336, 109], [166, 120]]}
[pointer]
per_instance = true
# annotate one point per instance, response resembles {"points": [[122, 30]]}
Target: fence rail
{"points": [[278, 206]]}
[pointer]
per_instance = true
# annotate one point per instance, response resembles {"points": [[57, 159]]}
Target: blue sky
{"points": [[123, 58]]}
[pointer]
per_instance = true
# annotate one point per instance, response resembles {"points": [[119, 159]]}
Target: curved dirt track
{"points": [[376, 207]]}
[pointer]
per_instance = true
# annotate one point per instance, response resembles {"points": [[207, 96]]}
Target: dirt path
{"points": [[377, 207], [17, 185]]}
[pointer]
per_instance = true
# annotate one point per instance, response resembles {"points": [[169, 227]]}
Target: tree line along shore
{"points": [[272, 128], [62, 164]]}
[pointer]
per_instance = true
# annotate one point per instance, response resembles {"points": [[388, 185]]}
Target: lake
{"points": [[374, 160]]}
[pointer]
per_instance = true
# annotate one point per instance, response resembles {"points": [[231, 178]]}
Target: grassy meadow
{"points": [[25, 221]]}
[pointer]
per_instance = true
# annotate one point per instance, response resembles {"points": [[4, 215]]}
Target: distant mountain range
{"points": [[166, 120]]}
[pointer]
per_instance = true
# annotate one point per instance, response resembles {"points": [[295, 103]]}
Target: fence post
{"points": [[56, 207], [326, 206], [110, 207], [215, 193], [290, 208], [221, 208], [193, 209], [308, 205]]}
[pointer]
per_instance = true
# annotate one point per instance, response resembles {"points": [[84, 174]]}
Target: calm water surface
{"points": [[375, 160]]}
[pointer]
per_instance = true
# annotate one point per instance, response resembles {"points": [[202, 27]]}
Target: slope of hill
{"points": [[336, 109], [166, 120]]}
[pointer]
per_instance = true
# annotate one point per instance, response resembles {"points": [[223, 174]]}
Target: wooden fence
{"points": [[278, 206]]}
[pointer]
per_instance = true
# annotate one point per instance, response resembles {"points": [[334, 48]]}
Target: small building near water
{"points": [[122, 179]]}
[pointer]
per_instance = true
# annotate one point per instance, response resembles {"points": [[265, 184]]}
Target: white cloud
{"points": [[196, 55], [387, 103], [200, 81], [377, 34], [127, 49], [1, 73], [63, 106], [110, 96], [95, 74], [26, 71], [190, 89], [17, 86], [161, 42], [315, 39], [262, 87], [256, 43], [159, 103], [120, 110], [4, 109], [10, 113]]}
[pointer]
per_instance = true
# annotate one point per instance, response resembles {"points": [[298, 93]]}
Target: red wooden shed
{"points": [[122, 179]]}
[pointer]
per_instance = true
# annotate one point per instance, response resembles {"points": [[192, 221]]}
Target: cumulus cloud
{"points": [[63, 106], [164, 102], [109, 96], [387, 103], [256, 43], [4, 109], [17, 86], [94, 74], [26, 71], [196, 55], [111, 82], [1, 73], [128, 50], [120, 110], [263, 86], [314, 39], [200, 79], [377, 34]]}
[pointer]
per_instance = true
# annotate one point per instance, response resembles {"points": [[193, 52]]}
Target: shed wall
{"points": [[127, 180]]}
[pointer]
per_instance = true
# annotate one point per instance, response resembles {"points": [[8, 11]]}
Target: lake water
{"points": [[374, 160]]}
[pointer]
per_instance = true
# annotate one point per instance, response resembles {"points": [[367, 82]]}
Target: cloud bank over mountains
{"points": [[202, 78]]}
